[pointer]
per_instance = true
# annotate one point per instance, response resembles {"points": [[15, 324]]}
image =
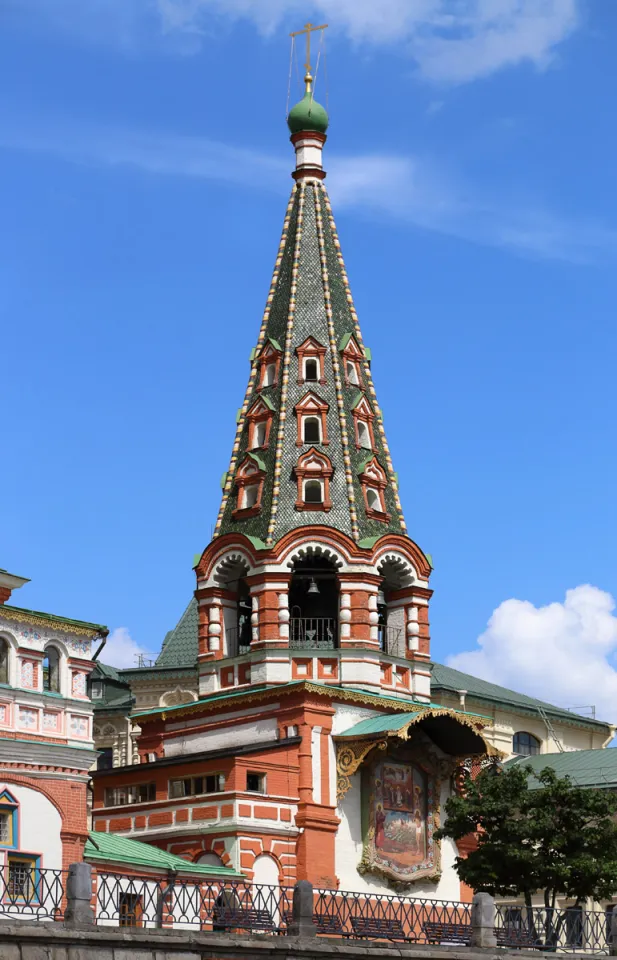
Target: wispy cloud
{"points": [[122, 651], [450, 42], [410, 189], [564, 652]]}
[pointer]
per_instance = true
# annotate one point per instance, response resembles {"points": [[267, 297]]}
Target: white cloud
{"points": [[122, 651], [450, 41], [564, 653], [410, 189]]}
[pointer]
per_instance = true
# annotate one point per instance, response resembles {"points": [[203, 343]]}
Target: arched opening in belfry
{"points": [[236, 605], [396, 576], [314, 603]]}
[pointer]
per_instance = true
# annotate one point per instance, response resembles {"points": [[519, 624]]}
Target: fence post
{"points": [[79, 896], [613, 942], [302, 911], [483, 921]]}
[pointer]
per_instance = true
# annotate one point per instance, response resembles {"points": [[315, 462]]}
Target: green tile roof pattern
{"points": [[181, 645], [447, 678], [310, 297], [110, 848], [586, 768]]}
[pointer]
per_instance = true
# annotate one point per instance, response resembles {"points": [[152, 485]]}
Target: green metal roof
{"points": [[586, 768], [110, 848], [181, 646], [276, 690], [97, 628], [393, 722], [447, 678]]}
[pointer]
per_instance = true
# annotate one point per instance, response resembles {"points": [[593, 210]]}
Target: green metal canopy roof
{"points": [[395, 722], [447, 678], [586, 768], [110, 848]]}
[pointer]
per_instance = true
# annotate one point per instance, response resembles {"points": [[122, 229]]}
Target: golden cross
{"points": [[308, 29]]}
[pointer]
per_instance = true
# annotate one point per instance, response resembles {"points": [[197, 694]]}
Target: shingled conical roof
{"points": [[310, 298]]}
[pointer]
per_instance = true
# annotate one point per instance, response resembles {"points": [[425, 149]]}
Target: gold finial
{"points": [[308, 29]]}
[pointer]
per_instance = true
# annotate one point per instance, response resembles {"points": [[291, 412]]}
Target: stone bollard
{"points": [[483, 921], [79, 896], [613, 940], [302, 911]]}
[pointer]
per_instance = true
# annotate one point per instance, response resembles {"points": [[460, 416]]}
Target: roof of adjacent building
{"points": [[110, 848], [74, 626], [180, 646], [447, 678], [586, 768], [310, 297]]}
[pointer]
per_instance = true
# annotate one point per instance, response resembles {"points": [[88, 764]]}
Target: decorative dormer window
{"points": [[313, 473], [259, 419], [311, 361], [363, 417], [352, 359], [269, 364], [311, 416], [374, 481], [249, 486]]}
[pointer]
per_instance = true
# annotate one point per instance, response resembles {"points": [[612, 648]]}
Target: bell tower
{"points": [[311, 574]]}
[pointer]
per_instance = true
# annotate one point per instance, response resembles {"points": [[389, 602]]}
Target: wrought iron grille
{"points": [[388, 917], [313, 633], [210, 906], [31, 892], [574, 929]]}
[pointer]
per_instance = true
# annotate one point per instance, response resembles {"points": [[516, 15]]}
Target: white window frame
{"points": [[351, 372], [321, 487], [245, 495], [259, 434], [314, 360], [312, 416], [269, 375], [371, 506], [363, 426]]}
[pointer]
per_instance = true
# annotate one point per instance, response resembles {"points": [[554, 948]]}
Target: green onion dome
{"points": [[307, 114]]}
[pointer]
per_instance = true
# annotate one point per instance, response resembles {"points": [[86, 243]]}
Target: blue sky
{"points": [[144, 172]]}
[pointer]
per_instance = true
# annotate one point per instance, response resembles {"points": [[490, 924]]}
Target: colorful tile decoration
{"points": [[28, 719], [79, 684], [27, 674], [4, 713], [50, 720], [79, 727]]}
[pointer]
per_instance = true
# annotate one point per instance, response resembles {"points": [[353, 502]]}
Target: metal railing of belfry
{"points": [[313, 633], [389, 639], [28, 892], [238, 643]]}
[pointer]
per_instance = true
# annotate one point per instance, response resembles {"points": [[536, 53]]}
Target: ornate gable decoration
{"points": [[269, 361], [363, 417], [311, 361], [250, 478], [259, 418], [374, 480], [311, 416], [313, 472], [353, 355]]}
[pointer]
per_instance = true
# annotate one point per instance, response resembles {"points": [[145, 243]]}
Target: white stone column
{"points": [[345, 616], [214, 625], [254, 617], [413, 628], [284, 616], [373, 616]]}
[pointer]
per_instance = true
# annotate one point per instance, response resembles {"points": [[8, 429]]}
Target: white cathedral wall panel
{"points": [[232, 736], [39, 825]]}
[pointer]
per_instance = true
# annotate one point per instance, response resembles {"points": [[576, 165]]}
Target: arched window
{"points": [[269, 375], [250, 496], [364, 437], [51, 670], [311, 369], [352, 372], [373, 500], [259, 435], [4, 661], [313, 491], [311, 431], [525, 744]]}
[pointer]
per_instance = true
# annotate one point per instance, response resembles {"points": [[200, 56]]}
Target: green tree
{"points": [[536, 832]]}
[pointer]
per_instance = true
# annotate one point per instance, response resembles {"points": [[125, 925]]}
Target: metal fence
{"points": [[28, 892], [572, 930], [313, 633]]}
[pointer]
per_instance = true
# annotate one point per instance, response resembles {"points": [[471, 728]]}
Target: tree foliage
{"points": [[535, 832]]}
